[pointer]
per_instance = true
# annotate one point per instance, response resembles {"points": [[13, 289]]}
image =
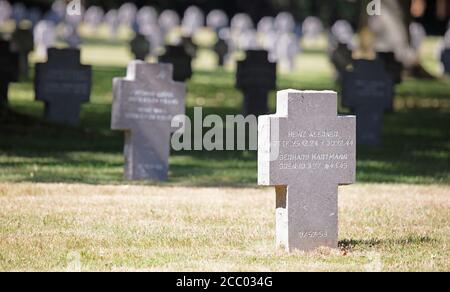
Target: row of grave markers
{"points": [[238, 34], [279, 35], [130, 16], [305, 150], [256, 76], [306, 175], [367, 85]]}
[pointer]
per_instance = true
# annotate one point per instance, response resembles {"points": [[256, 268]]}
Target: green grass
{"points": [[416, 147]]}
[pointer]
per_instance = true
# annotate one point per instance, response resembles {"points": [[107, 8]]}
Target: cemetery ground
{"points": [[64, 203]]}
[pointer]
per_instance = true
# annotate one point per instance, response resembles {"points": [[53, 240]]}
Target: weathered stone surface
{"points": [[145, 102], [63, 84], [305, 150]]}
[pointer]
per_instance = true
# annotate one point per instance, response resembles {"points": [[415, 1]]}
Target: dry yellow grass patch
{"points": [[123, 228]]}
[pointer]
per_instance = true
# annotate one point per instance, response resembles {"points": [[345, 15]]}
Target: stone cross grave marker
{"points": [[287, 50], [217, 19], [393, 66], [19, 12], [312, 27], [269, 37], [266, 25], [5, 11], [342, 33], [181, 61], [127, 13], [285, 23], [193, 20], [147, 24], [44, 37], [341, 57], [445, 59], [22, 42], [368, 90], [305, 150], [71, 36], [145, 102], [63, 84], [93, 18], [256, 77], [147, 15], [248, 40], [155, 37], [140, 47], [445, 54], [9, 69], [189, 46], [241, 22], [59, 10], [113, 22], [168, 20], [221, 49], [418, 35]]}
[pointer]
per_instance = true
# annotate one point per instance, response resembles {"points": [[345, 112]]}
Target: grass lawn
{"points": [[62, 194], [126, 228]]}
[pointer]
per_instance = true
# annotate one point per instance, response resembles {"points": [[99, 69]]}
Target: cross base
{"points": [[24, 65], [221, 60], [306, 217], [369, 125], [147, 153], [63, 112], [255, 102]]}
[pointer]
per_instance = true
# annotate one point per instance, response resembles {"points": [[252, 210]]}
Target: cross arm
{"points": [[347, 126], [268, 148]]}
